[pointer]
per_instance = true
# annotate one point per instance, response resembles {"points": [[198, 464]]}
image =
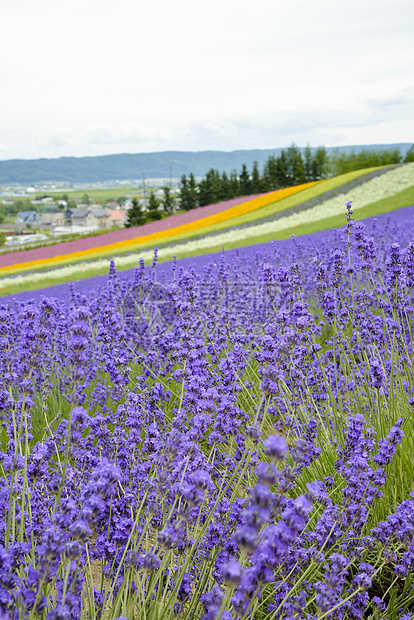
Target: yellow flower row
{"points": [[223, 216]]}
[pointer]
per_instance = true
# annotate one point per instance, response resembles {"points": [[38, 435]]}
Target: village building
{"points": [[95, 216], [118, 217], [28, 217], [53, 217]]}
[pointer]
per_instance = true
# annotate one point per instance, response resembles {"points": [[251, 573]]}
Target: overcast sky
{"points": [[92, 77]]}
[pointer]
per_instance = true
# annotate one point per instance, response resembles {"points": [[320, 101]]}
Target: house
{"points": [[102, 215], [28, 217], [86, 216], [53, 217], [117, 217]]}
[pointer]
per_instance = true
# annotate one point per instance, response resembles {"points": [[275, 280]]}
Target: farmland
{"points": [[223, 437], [276, 215]]}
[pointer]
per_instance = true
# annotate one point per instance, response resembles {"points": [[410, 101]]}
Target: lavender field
{"points": [[228, 437]]}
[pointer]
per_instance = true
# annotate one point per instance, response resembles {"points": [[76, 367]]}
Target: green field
{"points": [[111, 193]]}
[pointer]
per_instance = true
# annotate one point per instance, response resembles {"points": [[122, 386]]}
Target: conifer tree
{"points": [[244, 181], [204, 191], [184, 199], [256, 180], [135, 216], [296, 170], [167, 202], [153, 210], [225, 187], [192, 192], [320, 164], [270, 175], [307, 164], [281, 171], [233, 185]]}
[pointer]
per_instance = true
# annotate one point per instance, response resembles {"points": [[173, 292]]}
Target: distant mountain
{"points": [[131, 166]]}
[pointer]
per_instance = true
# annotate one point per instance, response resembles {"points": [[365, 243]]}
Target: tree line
{"points": [[340, 162], [293, 166]]}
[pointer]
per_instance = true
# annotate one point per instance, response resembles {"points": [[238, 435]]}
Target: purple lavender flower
{"points": [[275, 448], [232, 573]]}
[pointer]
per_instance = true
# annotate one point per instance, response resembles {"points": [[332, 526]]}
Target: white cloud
{"points": [[95, 76]]}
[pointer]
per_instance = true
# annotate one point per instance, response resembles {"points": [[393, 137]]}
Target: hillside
{"points": [[297, 210], [131, 166]]}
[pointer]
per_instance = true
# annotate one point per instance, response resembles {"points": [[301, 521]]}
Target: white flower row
{"points": [[380, 187]]}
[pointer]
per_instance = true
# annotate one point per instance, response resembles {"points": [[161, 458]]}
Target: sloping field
{"points": [[127, 238], [305, 212], [205, 219], [124, 234], [210, 218]]}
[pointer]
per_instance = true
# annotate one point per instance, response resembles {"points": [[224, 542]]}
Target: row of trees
{"points": [[155, 210], [340, 162], [293, 166]]}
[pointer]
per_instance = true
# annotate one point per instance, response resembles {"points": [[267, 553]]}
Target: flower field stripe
{"points": [[89, 270], [121, 234], [213, 243], [382, 187], [292, 201], [11, 259], [228, 214]]}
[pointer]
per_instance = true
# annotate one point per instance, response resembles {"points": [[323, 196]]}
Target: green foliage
{"points": [[296, 170], [184, 200], [308, 162], [21, 204], [73, 170], [233, 184], [244, 182], [293, 166], [225, 187], [320, 165], [410, 155], [136, 216], [210, 188], [192, 192], [168, 201], [153, 210], [255, 182], [2, 239], [341, 162]]}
